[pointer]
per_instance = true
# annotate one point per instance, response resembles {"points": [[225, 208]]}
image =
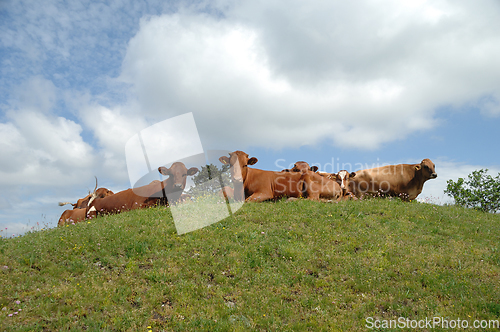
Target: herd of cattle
{"points": [[255, 185]]}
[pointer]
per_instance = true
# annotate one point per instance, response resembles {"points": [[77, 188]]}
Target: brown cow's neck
{"points": [[417, 179], [239, 191], [241, 188]]}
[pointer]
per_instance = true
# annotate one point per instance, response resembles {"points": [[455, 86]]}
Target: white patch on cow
{"points": [[343, 176], [92, 197], [92, 209]]}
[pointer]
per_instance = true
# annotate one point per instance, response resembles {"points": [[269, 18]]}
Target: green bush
{"points": [[208, 180], [480, 191]]}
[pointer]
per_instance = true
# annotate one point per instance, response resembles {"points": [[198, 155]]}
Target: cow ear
{"points": [[353, 174], [224, 160], [163, 170], [418, 167], [192, 171], [314, 168], [252, 161]]}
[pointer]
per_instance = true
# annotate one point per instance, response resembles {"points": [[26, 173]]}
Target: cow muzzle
{"points": [[434, 175]]}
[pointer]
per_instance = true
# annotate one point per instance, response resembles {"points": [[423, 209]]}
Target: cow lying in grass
{"points": [[83, 202], [331, 186], [256, 185], [79, 212], [146, 196]]}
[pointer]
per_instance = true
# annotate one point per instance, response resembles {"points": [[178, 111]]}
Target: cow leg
{"points": [[313, 196], [344, 196], [259, 197]]}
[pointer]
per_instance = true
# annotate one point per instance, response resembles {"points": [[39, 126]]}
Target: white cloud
{"points": [[112, 127], [315, 71], [41, 150]]}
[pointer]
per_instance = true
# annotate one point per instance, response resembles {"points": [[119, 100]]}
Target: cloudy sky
{"points": [[338, 84]]}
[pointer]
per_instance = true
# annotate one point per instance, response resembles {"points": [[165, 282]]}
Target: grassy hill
{"points": [[284, 266]]}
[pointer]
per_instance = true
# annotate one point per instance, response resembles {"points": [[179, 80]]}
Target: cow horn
{"points": [[93, 195], [64, 203]]}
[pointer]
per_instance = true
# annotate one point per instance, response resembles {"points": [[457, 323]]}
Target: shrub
{"points": [[210, 179], [480, 191]]}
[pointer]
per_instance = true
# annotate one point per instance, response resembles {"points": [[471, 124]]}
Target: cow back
{"points": [[122, 201], [262, 185]]}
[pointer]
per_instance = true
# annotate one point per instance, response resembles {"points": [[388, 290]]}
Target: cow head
{"points": [[427, 168], [82, 203], [302, 167], [177, 174], [104, 192], [99, 193], [239, 161], [342, 178]]}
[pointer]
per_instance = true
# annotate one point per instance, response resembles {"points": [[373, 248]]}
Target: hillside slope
{"points": [[292, 266]]}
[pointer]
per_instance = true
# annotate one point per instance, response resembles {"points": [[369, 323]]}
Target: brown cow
{"points": [[302, 167], [258, 185], [82, 202], [79, 209], [326, 175], [145, 196], [405, 180], [318, 187], [343, 179], [72, 216]]}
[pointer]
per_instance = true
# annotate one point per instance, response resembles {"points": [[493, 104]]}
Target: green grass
{"points": [[284, 266]]}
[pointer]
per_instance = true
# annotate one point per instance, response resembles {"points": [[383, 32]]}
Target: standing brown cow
{"points": [[405, 180], [256, 185]]}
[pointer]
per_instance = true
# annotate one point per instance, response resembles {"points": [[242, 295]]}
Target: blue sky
{"points": [[331, 82]]}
